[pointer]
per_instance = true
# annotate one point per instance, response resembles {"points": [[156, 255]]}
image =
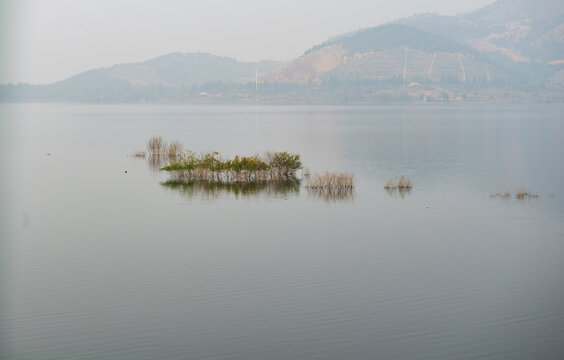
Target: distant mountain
{"points": [[508, 41], [190, 69], [523, 35], [391, 51], [511, 50], [163, 77]]}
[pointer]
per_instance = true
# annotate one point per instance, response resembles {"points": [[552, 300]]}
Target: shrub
{"points": [[212, 167], [284, 162]]}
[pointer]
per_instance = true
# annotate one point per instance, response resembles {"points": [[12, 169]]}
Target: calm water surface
{"points": [[97, 263]]}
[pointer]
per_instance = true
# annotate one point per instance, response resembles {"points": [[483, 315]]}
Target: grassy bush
{"points": [[212, 167], [284, 162]]}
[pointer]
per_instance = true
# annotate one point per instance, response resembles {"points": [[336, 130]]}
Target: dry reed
{"points": [[523, 194], [174, 149], [391, 184], [330, 181], [505, 195], [401, 183], [139, 154], [404, 183], [520, 194], [156, 146]]}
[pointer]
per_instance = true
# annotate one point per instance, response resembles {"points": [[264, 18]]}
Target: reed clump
{"points": [[156, 146], [520, 194], [330, 181], [331, 186], [174, 149], [139, 154], [504, 195], [402, 183], [401, 186], [212, 167], [391, 184], [523, 194]]}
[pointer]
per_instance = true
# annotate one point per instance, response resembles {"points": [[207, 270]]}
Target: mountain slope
{"points": [[391, 51], [163, 77], [180, 69], [509, 46], [510, 41], [523, 35]]}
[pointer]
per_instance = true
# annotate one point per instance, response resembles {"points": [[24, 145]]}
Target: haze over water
{"points": [[98, 263]]}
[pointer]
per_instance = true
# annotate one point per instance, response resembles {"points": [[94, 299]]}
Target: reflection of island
{"points": [[332, 195], [190, 189], [157, 162]]}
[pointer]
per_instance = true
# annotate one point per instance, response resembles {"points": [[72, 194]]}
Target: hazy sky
{"points": [[48, 40]]}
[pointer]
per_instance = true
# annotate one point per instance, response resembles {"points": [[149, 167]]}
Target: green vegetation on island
{"points": [[212, 167]]}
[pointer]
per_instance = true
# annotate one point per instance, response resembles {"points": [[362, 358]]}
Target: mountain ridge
{"points": [[510, 45]]}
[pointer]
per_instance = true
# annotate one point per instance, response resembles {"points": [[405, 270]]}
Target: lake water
{"points": [[97, 263]]}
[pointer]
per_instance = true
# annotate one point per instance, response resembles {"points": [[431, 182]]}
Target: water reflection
{"points": [[332, 195], [157, 162], [397, 192], [191, 189]]}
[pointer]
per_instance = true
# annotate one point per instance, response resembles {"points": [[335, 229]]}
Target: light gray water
{"points": [[97, 263]]}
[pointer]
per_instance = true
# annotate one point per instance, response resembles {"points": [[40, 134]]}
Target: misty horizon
{"points": [[70, 39]]}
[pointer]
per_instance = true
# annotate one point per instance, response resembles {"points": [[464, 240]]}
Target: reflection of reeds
{"points": [[156, 162], [332, 195], [190, 189], [330, 181], [396, 191]]}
